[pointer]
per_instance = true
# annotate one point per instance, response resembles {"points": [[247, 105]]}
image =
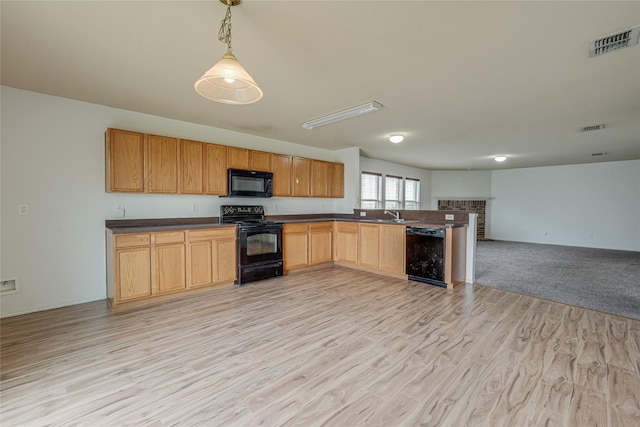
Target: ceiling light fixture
{"points": [[396, 139], [227, 81], [344, 114], [500, 158]]}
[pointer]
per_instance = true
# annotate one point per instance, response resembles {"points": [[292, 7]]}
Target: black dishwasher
{"points": [[425, 255]]}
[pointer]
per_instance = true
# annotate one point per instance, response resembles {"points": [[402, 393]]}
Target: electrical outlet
{"points": [[449, 217], [194, 207], [546, 233], [23, 210], [120, 211], [363, 214]]}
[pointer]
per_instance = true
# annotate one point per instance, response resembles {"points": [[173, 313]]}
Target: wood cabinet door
{"points": [[201, 268], [336, 180], [368, 244], [215, 169], [392, 248], [163, 164], [281, 168], [301, 177], [191, 167], [226, 260], [170, 272], [260, 161], [295, 249], [125, 152], [320, 238], [237, 158], [346, 242], [132, 273], [319, 178]]}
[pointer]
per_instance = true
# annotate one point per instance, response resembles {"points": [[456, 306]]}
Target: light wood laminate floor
{"points": [[333, 346]]}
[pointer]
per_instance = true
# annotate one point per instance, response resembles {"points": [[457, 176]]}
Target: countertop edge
{"points": [[142, 226]]}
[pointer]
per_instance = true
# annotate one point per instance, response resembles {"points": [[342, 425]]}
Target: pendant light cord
{"points": [[224, 35]]}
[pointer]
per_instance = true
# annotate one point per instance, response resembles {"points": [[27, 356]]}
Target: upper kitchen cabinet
{"points": [[319, 178], [125, 153], [301, 176], [336, 180], [191, 167], [144, 163], [281, 168], [163, 164], [215, 169], [260, 161], [237, 158]]}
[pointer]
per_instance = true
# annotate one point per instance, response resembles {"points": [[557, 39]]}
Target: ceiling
{"points": [[462, 81]]}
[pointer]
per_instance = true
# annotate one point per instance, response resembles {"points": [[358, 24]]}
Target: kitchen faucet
{"points": [[395, 215]]}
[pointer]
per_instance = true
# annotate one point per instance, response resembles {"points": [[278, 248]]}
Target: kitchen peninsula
{"points": [[151, 260]]}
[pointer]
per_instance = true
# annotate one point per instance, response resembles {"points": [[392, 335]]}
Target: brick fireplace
{"points": [[477, 206]]}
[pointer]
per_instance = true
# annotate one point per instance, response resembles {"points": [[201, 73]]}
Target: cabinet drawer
{"points": [[172, 237], [211, 234], [129, 240], [302, 227], [321, 226], [348, 227]]}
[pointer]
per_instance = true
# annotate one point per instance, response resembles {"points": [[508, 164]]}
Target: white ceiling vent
{"points": [[615, 41]]}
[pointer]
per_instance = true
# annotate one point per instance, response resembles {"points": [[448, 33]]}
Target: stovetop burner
{"points": [[244, 216]]}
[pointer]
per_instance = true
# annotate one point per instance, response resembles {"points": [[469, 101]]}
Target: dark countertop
{"points": [[170, 224], [156, 228]]}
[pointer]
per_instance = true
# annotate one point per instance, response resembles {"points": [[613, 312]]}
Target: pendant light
{"points": [[227, 81]]}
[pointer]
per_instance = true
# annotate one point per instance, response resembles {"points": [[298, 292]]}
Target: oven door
{"points": [[259, 245]]}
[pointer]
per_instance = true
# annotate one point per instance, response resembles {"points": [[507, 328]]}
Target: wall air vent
{"points": [[593, 127], [615, 41]]}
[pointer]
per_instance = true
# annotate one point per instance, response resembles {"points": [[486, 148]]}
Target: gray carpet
{"points": [[597, 279]]}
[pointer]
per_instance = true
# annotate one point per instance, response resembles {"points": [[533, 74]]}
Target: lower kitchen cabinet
{"points": [[392, 248], [170, 262], [320, 239], [212, 257], [147, 267], [345, 242], [295, 240], [373, 247], [307, 244], [132, 273], [369, 245]]}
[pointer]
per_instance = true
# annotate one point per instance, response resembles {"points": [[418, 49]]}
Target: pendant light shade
{"points": [[228, 82]]}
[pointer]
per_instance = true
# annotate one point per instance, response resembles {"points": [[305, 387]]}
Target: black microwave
{"points": [[244, 183]]}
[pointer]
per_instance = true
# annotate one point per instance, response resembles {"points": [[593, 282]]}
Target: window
{"points": [[371, 191], [393, 192], [412, 194]]}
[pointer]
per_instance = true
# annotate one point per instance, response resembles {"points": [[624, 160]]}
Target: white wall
{"points": [[590, 205], [52, 154], [451, 185], [395, 169]]}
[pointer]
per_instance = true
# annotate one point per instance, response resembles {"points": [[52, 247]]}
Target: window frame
{"points": [[378, 201], [398, 204]]}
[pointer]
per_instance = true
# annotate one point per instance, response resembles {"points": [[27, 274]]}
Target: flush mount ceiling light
{"points": [[344, 114], [500, 158], [227, 81], [396, 139]]}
